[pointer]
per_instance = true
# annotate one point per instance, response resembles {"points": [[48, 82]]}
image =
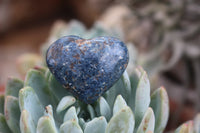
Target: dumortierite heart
{"points": [[87, 68]]}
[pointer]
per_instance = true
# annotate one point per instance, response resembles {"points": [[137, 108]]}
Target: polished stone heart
{"points": [[87, 68]]}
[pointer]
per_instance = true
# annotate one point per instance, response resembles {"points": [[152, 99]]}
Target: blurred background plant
{"points": [[162, 35]]}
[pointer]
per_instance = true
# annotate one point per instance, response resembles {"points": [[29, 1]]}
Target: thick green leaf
{"points": [[12, 113], [142, 98], [119, 104], [37, 81], [103, 108], [127, 84], [26, 123], [65, 103], [71, 114], [121, 122], [148, 122], [91, 111], [134, 79], [110, 95], [78, 109], [29, 101], [46, 125], [160, 106], [70, 127], [82, 123], [185, 128], [197, 124], [13, 86], [3, 125], [121, 87], [96, 125], [2, 104]]}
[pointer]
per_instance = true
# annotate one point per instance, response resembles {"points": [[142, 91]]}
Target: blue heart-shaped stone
{"points": [[87, 68]]}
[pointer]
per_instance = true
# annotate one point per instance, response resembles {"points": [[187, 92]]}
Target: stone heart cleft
{"points": [[87, 68]]}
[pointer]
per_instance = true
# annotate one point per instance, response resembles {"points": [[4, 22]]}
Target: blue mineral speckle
{"points": [[87, 68]]}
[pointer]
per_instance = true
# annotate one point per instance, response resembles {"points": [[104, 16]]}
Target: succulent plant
{"points": [[40, 104]]}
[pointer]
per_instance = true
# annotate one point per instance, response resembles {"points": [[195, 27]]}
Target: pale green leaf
{"points": [[91, 111], [96, 125], [104, 108], [29, 101], [65, 103], [26, 123], [119, 104], [13, 86], [70, 127], [160, 106], [37, 81], [148, 122], [46, 125], [71, 114], [82, 123], [12, 113], [121, 122], [3, 125], [142, 98]]}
